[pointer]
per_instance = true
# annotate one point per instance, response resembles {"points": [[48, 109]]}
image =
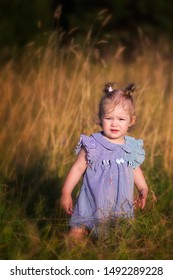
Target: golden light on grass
{"points": [[48, 104]]}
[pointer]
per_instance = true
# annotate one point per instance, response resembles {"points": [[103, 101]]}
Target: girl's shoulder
{"points": [[90, 145], [133, 142], [136, 149], [86, 141]]}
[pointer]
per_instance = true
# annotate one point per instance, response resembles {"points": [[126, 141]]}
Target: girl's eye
{"points": [[107, 118], [121, 119]]}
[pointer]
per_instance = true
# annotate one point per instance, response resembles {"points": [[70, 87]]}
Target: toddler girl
{"points": [[110, 164]]}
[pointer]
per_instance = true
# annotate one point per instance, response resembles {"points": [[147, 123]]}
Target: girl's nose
{"points": [[114, 123]]}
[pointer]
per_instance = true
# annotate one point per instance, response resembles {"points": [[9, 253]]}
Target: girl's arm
{"points": [[73, 177], [142, 187]]}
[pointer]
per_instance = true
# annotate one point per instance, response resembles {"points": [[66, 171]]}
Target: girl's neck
{"points": [[119, 141]]}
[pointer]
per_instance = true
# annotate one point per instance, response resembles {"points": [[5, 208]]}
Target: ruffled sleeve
{"points": [[137, 151], [90, 146]]}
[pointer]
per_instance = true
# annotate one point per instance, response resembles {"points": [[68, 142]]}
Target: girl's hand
{"points": [[66, 203], [141, 199], [142, 187]]}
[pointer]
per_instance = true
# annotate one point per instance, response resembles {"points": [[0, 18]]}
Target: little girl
{"points": [[110, 162]]}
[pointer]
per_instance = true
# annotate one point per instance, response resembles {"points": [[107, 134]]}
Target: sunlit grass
{"points": [[47, 101]]}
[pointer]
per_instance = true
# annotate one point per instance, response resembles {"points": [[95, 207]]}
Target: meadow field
{"points": [[49, 96]]}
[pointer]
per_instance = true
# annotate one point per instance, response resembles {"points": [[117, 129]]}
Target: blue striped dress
{"points": [[108, 182]]}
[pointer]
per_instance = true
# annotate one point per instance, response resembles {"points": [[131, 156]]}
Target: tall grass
{"points": [[48, 99]]}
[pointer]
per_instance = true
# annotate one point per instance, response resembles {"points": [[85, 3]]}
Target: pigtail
{"points": [[130, 89], [108, 89]]}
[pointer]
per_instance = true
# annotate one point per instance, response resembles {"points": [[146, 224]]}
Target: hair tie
{"points": [[108, 88]]}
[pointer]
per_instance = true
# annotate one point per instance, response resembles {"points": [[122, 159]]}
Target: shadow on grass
{"points": [[36, 192]]}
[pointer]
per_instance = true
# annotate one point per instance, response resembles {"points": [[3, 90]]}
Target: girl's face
{"points": [[116, 122]]}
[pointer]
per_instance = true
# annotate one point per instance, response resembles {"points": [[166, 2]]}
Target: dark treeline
{"points": [[152, 16], [22, 20]]}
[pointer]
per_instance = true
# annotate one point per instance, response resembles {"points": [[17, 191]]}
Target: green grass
{"points": [[34, 227]]}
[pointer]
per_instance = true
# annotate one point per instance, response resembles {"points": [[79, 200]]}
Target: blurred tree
{"points": [[153, 17], [21, 20]]}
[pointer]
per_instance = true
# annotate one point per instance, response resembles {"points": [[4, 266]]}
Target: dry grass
{"points": [[47, 103]]}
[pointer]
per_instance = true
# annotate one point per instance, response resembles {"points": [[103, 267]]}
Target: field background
{"points": [[49, 96]]}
